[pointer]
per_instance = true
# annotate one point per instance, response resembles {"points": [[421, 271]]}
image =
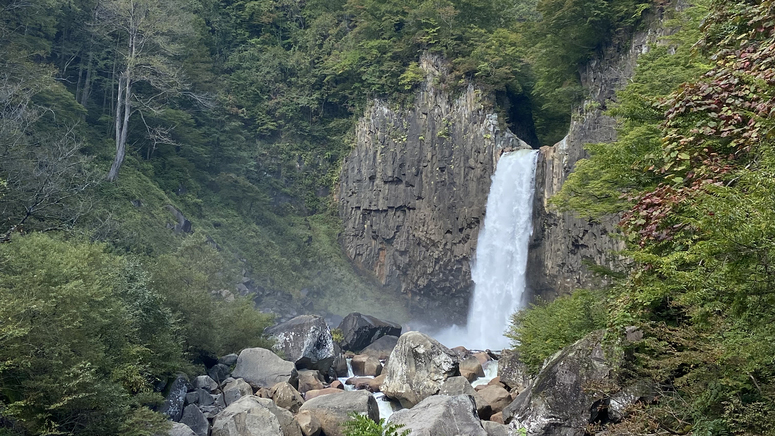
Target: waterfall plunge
{"points": [[501, 255]]}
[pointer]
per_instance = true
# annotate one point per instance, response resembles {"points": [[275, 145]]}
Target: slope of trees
{"points": [[692, 176]]}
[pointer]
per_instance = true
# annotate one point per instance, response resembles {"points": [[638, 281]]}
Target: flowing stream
{"points": [[501, 255]]}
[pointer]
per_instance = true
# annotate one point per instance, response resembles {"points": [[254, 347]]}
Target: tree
{"points": [[152, 34]]}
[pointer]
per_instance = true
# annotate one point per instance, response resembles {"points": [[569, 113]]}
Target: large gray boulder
{"points": [[512, 372], [571, 391], [180, 429], [195, 420], [460, 386], [381, 348], [361, 330], [417, 368], [253, 416], [441, 415], [262, 368], [334, 409], [305, 340], [176, 398], [246, 417]]}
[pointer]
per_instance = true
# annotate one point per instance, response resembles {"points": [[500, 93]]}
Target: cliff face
{"points": [[562, 245], [413, 191]]}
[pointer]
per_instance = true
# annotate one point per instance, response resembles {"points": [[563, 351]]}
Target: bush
{"points": [[361, 425], [544, 329]]}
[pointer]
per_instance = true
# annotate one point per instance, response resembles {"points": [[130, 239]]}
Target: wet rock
{"points": [[417, 368], [176, 398], [339, 366], [359, 331], [305, 340], [381, 348], [332, 410], [441, 415], [366, 365], [262, 368]]}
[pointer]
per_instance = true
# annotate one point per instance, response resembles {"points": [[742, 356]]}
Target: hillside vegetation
{"points": [[692, 177]]}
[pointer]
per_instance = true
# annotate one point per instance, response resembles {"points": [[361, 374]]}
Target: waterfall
{"points": [[501, 255]]}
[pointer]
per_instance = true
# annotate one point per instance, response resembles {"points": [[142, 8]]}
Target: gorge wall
{"points": [[563, 245], [413, 191]]}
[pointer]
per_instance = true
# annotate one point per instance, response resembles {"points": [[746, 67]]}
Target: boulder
{"points": [[375, 384], [285, 396], [417, 368], [497, 397], [206, 383], [361, 330], [461, 351], [200, 397], [310, 426], [179, 429], [332, 410], [235, 390], [253, 416], [440, 415], [570, 392], [360, 383], [471, 366], [176, 398], [309, 380], [262, 368], [381, 348], [246, 417], [495, 428], [219, 372], [337, 384], [320, 392], [482, 357], [305, 340], [366, 365], [228, 360], [512, 372], [339, 366], [497, 417], [460, 386], [195, 420]]}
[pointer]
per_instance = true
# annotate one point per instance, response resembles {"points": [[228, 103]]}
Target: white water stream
{"points": [[501, 256]]}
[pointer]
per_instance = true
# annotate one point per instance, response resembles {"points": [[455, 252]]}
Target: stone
{"points": [[332, 410], [460, 386], [199, 397], [461, 351], [640, 391], [440, 415], [219, 372], [497, 397], [206, 383], [381, 348], [320, 392], [633, 334], [360, 383], [375, 384], [417, 368], [366, 365], [495, 429], [262, 368], [285, 396], [228, 360], [339, 366], [359, 331], [262, 393], [180, 429], [305, 340], [512, 372], [310, 426], [337, 384], [235, 390], [482, 357], [497, 417], [288, 425], [175, 398], [246, 417], [195, 420], [570, 392], [309, 380]]}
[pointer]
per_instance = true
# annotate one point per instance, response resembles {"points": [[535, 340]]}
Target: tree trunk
{"points": [[123, 107]]}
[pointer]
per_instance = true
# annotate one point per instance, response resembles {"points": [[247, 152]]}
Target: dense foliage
{"points": [[692, 176], [362, 425]]}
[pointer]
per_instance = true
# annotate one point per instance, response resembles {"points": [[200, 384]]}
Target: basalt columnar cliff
{"points": [[413, 192]]}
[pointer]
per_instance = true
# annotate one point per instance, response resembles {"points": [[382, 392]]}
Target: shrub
{"points": [[544, 329], [362, 425]]}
